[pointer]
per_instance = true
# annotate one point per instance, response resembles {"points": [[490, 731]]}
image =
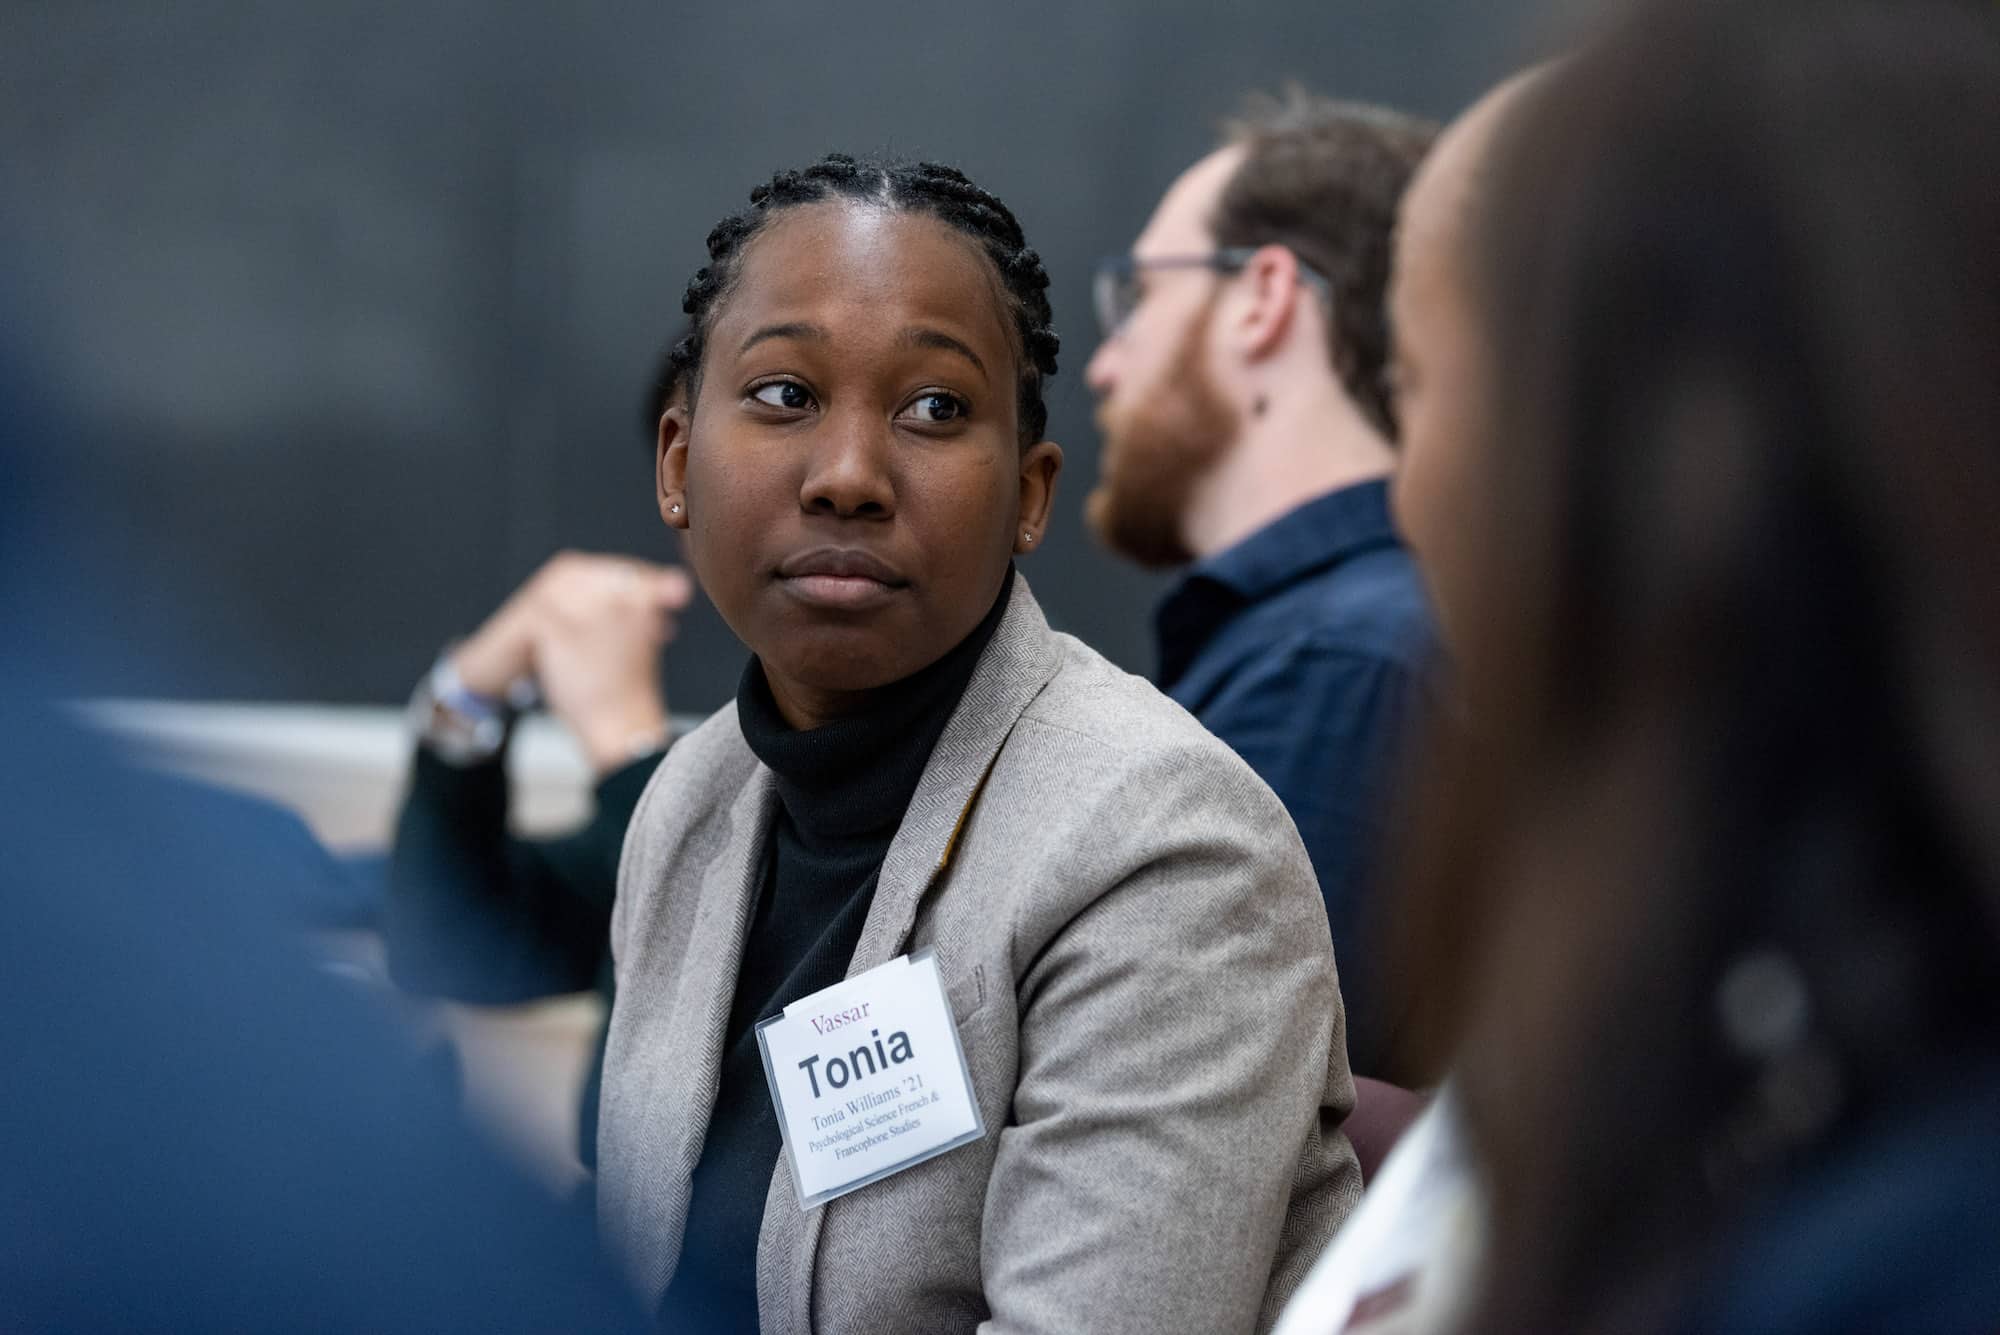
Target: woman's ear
{"points": [[670, 466], [1041, 463]]}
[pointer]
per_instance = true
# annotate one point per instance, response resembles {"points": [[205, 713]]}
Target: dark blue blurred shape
{"points": [[1894, 1234], [201, 1130]]}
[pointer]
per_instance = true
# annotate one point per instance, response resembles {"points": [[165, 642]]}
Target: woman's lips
{"points": [[846, 578], [847, 592]]}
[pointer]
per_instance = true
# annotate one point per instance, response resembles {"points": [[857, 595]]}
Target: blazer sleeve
{"points": [[1180, 1047], [477, 914]]}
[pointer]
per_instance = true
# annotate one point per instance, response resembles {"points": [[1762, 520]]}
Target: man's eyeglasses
{"points": [[1116, 289]]}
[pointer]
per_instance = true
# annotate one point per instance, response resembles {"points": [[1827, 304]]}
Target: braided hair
{"points": [[944, 193]]}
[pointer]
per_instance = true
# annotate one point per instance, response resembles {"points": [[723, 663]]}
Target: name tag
{"points": [[868, 1078]]}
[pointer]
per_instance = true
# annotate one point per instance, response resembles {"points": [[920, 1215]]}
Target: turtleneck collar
{"points": [[852, 779]]}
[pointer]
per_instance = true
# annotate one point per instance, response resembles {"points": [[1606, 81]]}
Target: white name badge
{"points": [[869, 1078]]}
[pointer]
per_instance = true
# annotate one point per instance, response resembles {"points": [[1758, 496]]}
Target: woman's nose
{"points": [[848, 474]]}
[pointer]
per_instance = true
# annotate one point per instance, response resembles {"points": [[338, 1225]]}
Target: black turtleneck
{"points": [[842, 790]]}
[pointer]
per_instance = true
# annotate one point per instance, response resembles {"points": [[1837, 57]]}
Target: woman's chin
{"points": [[840, 664]]}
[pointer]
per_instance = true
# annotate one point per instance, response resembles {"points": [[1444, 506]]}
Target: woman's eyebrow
{"points": [[796, 329], [920, 336]]}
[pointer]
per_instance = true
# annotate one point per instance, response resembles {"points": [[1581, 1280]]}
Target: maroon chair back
{"points": [[1382, 1112]]}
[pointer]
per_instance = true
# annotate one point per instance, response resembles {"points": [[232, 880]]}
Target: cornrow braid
{"points": [[944, 193]]}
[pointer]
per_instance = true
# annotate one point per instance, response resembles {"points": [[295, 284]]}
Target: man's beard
{"points": [[1157, 454]]}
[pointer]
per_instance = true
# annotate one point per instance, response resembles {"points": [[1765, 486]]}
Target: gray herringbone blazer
{"points": [[1139, 964]]}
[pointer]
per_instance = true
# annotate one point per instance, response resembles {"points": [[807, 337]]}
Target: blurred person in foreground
{"points": [[1716, 554], [203, 1129], [1407, 1261], [1248, 436], [475, 913]]}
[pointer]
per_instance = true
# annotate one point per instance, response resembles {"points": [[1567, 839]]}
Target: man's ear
{"points": [[1041, 464], [670, 466], [1270, 281]]}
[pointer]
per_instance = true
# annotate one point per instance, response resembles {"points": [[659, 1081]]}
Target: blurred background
{"points": [[357, 302]]}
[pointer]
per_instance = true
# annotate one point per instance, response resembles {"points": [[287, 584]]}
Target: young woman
{"points": [[1731, 633], [1132, 952]]}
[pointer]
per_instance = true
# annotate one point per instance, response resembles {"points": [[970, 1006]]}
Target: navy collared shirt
{"points": [[1308, 648]]}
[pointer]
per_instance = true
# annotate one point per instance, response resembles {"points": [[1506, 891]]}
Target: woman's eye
{"points": [[783, 394], [937, 407]]}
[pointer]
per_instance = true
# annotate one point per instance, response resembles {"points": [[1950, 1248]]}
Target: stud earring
{"points": [[675, 507], [1027, 537]]}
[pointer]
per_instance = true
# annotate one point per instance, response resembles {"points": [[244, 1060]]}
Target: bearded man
{"points": [[1248, 433]]}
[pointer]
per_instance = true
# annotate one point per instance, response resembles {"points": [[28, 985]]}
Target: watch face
{"points": [[487, 733], [462, 739]]}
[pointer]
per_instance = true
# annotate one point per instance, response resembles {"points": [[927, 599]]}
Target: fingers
{"points": [[587, 598], [584, 584], [662, 589], [673, 587]]}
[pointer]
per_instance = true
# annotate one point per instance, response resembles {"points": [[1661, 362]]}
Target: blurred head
{"points": [[1442, 363], [1260, 273], [1736, 626], [860, 455]]}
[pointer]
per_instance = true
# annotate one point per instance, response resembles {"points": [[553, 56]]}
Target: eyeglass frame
{"points": [[1114, 270]]}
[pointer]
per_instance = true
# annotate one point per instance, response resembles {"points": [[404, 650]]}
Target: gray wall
{"points": [[357, 300]]}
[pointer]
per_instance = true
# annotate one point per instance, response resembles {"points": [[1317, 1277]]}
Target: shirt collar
{"points": [[1321, 533], [1318, 534]]}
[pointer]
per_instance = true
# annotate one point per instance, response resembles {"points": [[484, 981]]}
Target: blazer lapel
{"points": [[685, 1053], [1017, 663]]}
